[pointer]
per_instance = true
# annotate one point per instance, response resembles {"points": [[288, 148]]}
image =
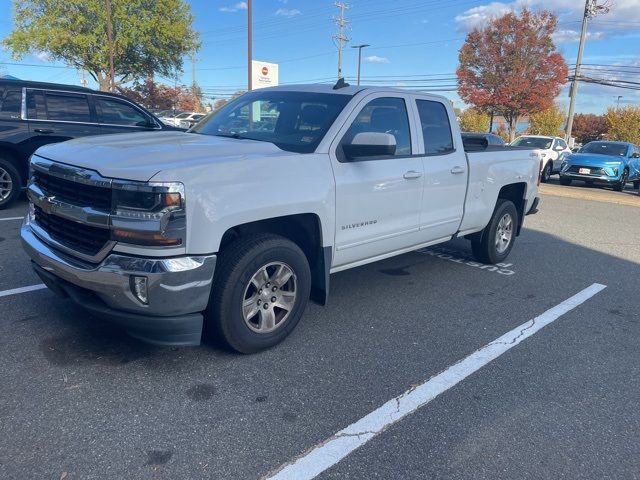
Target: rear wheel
{"points": [[497, 238], [260, 291], [10, 183], [565, 181], [619, 186], [546, 172]]}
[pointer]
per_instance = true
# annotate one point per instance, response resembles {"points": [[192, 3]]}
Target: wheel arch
{"points": [[305, 230], [516, 193], [11, 154]]}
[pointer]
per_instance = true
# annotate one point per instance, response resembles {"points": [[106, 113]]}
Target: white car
{"points": [[191, 120], [169, 117], [552, 150], [232, 227], [184, 116]]}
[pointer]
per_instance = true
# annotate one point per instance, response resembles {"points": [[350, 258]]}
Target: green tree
{"points": [[149, 36], [473, 120], [547, 122], [624, 124]]}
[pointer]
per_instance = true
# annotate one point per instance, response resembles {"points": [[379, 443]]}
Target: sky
{"points": [[412, 44]]}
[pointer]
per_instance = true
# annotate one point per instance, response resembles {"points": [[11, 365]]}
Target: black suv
{"points": [[33, 114]]}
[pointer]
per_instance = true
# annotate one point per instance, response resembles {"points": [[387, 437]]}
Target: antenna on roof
{"points": [[340, 84]]}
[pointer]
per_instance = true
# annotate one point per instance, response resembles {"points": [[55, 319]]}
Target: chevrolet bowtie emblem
{"points": [[48, 204]]}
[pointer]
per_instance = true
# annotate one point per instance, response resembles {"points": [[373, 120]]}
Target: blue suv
{"points": [[603, 162]]}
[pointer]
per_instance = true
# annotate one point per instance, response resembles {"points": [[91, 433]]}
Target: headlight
{"points": [[150, 214]]}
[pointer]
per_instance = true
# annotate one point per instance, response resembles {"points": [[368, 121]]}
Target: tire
{"points": [[230, 314], [565, 181], [10, 183], [546, 172], [636, 184], [488, 249], [619, 186]]}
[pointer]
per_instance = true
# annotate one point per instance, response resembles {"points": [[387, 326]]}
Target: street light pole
{"points": [[618, 102], [249, 45], [360, 47]]}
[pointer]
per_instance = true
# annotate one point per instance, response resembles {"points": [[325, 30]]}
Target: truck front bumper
{"points": [[177, 289]]}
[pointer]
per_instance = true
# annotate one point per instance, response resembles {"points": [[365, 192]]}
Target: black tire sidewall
{"points": [[619, 187], [16, 182], [228, 310], [486, 250], [546, 172]]}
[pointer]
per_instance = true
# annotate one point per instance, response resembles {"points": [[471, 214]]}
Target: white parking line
{"points": [[11, 218], [15, 291], [326, 454]]}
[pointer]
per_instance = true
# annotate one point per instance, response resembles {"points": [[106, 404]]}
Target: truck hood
{"points": [[140, 156], [594, 159]]}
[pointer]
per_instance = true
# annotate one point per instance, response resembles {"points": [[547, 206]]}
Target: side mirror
{"points": [[559, 148], [370, 144], [635, 155]]}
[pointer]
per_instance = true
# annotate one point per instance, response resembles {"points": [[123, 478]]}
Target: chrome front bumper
{"points": [[177, 287]]}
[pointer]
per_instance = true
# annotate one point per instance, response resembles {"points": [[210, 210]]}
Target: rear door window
{"points": [[116, 112], [436, 129], [11, 103], [69, 107], [36, 108]]}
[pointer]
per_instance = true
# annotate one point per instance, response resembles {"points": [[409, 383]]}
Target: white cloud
{"points": [[477, 17], [43, 56], [234, 8], [286, 12], [569, 36], [622, 14], [377, 59]]}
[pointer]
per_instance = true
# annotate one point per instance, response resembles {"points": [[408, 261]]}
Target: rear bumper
{"points": [[178, 289]]}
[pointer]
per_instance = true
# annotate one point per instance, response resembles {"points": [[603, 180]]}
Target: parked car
{"points": [[33, 114], [603, 162], [191, 120], [232, 227], [480, 141], [552, 149], [169, 117]]}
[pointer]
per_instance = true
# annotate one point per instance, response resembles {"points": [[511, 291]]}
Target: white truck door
{"points": [[377, 198], [446, 170]]}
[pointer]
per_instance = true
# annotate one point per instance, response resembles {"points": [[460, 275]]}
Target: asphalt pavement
{"points": [[81, 400]]}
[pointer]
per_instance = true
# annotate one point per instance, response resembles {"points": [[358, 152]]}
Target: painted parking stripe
{"points": [[331, 451], [15, 291], [11, 218]]}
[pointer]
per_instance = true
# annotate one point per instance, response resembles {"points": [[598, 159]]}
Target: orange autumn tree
{"points": [[511, 66]]}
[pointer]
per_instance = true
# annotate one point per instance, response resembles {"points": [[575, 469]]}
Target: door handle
{"points": [[43, 130], [457, 170], [412, 174]]}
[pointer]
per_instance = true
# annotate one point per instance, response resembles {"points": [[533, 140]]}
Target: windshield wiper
{"points": [[240, 137]]}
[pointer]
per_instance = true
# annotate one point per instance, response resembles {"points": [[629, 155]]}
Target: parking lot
{"points": [[81, 400]]}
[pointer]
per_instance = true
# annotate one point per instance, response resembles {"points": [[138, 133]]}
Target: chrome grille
{"points": [[74, 193]]}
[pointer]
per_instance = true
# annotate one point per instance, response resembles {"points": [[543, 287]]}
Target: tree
{"points": [[511, 66], [473, 120], [163, 97], [148, 36], [547, 122], [624, 124], [588, 127]]}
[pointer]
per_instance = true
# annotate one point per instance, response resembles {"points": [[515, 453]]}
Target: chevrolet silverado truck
{"points": [[230, 228]]}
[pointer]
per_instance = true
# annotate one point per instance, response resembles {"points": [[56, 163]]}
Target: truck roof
{"points": [[328, 88]]}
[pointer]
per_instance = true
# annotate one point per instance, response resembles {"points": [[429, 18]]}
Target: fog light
{"points": [[139, 288]]}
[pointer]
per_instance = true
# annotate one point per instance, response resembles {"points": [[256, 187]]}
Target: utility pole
{"points": [[340, 37], [590, 11], [249, 45], [193, 70], [360, 47], [112, 75]]}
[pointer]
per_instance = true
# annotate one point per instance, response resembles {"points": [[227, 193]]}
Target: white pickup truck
{"points": [[232, 227]]}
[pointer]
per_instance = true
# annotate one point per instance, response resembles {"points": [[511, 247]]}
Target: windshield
{"points": [[183, 115], [605, 148], [293, 121], [532, 142]]}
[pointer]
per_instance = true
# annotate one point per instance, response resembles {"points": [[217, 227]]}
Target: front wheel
{"points": [[636, 184], [619, 186], [565, 181], [497, 238], [546, 172], [260, 291], [10, 183]]}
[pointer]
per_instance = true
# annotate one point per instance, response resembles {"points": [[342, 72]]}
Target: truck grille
{"points": [[75, 193], [77, 236]]}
